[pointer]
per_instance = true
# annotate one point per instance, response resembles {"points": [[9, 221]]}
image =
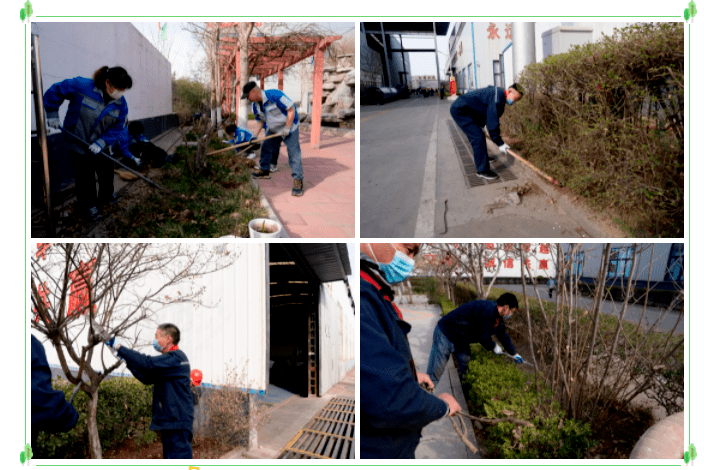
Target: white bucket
{"points": [[268, 223]]}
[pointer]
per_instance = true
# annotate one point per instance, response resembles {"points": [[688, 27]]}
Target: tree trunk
{"points": [[96, 450], [243, 32]]}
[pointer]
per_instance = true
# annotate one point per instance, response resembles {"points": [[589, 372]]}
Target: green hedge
{"points": [[124, 410], [495, 386], [607, 121]]}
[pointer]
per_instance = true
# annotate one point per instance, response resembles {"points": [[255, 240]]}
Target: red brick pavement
{"points": [[327, 207]]}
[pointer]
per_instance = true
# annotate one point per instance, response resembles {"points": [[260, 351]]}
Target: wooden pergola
{"points": [[273, 54]]}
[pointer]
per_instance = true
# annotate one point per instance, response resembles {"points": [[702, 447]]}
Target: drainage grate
{"points": [[464, 154], [329, 435]]}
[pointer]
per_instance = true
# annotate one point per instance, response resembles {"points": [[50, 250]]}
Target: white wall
{"points": [[336, 334], [71, 50]]}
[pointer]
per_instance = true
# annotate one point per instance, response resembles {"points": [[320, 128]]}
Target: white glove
{"points": [[497, 349], [137, 161], [54, 123], [286, 131], [504, 148], [95, 148]]}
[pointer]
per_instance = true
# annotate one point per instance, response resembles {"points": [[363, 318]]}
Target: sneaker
{"points": [[297, 188], [252, 156], [272, 168], [489, 175], [114, 199], [261, 174], [93, 213]]}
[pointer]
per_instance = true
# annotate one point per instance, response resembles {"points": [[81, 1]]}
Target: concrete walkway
{"points": [[281, 422], [327, 207], [410, 167], [440, 440]]}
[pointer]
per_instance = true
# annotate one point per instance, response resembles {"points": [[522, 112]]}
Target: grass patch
{"points": [[218, 202]]}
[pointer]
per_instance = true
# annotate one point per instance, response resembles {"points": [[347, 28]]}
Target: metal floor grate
{"points": [[466, 158], [329, 435]]}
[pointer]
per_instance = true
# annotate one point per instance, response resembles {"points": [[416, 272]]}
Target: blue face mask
{"points": [[398, 269], [509, 101], [155, 343]]}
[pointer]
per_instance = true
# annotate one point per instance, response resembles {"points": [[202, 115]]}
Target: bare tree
{"points": [[79, 290], [595, 363]]}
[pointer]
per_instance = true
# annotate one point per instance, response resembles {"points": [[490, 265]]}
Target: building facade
{"points": [[480, 52]]}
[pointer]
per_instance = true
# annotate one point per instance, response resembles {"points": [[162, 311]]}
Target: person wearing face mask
{"points": [[473, 322], [172, 403], [393, 406], [96, 114], [478, 108]]}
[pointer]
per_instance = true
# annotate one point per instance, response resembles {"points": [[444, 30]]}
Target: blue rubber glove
{"points": [[111, 342], [518, 358]]}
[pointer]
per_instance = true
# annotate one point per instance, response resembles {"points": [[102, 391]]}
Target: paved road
{"points": [[395, 141], [633, 312]]}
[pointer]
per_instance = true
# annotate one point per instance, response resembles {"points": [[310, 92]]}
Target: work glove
{"points": [[497, 349], [517, 357], [53, 123], [95, 148], [137, 161], [113, 343], [504, 148], [286, 131]]}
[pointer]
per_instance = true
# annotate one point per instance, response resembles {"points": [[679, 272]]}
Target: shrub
{"points": [[607, 121], [498, 389], [124, 410]]}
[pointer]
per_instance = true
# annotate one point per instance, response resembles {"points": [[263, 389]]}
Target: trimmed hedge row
{"points": [[124, 410], [498, 389]]}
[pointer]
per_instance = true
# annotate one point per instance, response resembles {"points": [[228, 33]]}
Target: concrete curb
{"points": [[269, 210], [456, 385], [663, 440]]}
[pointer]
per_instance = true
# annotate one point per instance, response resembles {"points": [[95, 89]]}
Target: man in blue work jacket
{"points": [[51, 412], [276, 114], [478, 108], [170, 373], [473, 322], [394, 408]]}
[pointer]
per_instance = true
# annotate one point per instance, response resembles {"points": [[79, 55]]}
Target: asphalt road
{"points": [[633, 311]]}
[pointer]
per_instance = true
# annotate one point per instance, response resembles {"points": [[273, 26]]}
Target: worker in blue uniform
{"points": [[50, 411], [478, 108], [170, 373], [473, 322], [240, 136], [96, 113], [394, 407], [276, 114]]}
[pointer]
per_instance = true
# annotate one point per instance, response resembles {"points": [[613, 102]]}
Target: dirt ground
{"points": [[204, 449]]}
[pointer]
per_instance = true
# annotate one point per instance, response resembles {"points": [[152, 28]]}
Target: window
{"points": [[620, 262], [497, 73], [675, 263]]}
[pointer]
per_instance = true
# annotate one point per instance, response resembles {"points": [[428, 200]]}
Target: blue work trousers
{"points": [[476, 137], [270, 154], [177, 443], [440, 353]]}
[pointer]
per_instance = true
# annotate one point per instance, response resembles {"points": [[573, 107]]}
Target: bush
{"points": [[124, 411], [498, 389], [607, 121], [432, 288]]}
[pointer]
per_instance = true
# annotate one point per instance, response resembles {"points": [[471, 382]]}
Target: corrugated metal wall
{"points": [[336, 334]]}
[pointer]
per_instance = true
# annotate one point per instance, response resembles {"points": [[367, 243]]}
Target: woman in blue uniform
{"points": [[96, 113]]}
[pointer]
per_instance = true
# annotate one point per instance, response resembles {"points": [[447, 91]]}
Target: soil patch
{"points": [[205, 448]]}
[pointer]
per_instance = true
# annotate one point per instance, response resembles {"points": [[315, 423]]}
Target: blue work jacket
{"points": [[475, 322], [170, 373], [485, 106], [241, 136], [89, 116], [50, 410], [394, 408], [273, 111]]}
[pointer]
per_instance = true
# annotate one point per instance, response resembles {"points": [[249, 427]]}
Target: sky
{"points": [[185, 54], [423, 63]]}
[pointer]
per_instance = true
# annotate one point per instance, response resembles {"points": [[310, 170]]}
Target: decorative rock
{"points": [[328, 86], [350, 79], [663, 440]]}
